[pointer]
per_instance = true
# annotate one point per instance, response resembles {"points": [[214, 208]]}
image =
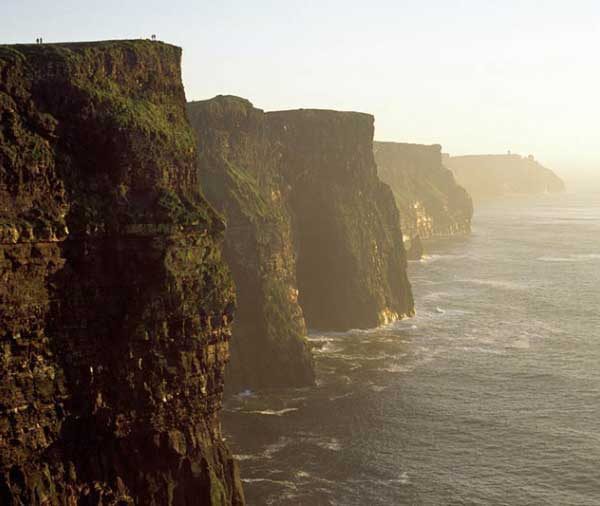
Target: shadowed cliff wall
{"points": [[351, 264], [240, 177], [115, 305]]}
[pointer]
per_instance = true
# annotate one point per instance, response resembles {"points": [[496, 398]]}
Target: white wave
{"points": [[495, 283], [556, 259], [578, 257], [245, 393], [272, 412], [522, 343], [343, 396], [397, 368], [359, 358], [403, 322], [320, 338], [402, 479], [423, 355], [243, 456], [481, 349], [298, 399], [325, 442], [427, 259], [437, 312], [283, 483], [377, 388], [327, 349], [332, 444], [276, 447], [345, 379]]}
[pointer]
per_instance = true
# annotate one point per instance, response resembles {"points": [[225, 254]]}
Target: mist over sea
{"points": [[490, 395]]}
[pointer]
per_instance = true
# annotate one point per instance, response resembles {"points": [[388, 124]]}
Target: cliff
{"points": [[430, 201], [241, 179], [351, 263], [115, 303], [489, 176]]}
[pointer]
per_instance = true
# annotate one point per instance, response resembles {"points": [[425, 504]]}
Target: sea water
{"points": [[490, 395]]}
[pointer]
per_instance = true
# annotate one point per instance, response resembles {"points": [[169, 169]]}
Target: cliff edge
{"points": [[351, 262], [115, 304], [241, 178], [430, 201]]}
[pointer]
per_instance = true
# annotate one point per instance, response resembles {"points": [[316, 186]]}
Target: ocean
{"points": [[490, 395]]}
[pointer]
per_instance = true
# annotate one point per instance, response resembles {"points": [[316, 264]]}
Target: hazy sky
{"points": [[475, 76]]}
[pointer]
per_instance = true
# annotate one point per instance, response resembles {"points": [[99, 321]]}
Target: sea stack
{"points": [[115, 304], [351, 262], [240, 175], [430, 201]]}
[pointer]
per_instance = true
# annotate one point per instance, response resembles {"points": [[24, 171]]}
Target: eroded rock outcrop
{"points": [[241, 178], [351, 263], [490, 176], [114, 303], [430, 202]]}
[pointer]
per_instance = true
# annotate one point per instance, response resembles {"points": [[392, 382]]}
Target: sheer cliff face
{"points": [[489, 176], [430, 201], [240, 177], [351, 264], [114, 302]]}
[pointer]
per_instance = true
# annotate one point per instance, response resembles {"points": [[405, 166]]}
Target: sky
{"points": [[475, 76]]}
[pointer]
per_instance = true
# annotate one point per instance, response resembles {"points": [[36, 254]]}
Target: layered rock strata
{"points": [[430, 201], [351, 262], [241, 178], [115, 305]]}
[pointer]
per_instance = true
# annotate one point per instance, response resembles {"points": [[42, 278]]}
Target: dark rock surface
{"points": [[490, 176], [240, 177], [351, 262], [415, 250], [114, 302], [430, 202]]}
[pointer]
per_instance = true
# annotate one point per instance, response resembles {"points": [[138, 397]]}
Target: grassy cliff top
{"points": [[408, 146], [231, 100], [107, 120], [338, 132], [321, 113], [82, 46], [222, 111]]}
